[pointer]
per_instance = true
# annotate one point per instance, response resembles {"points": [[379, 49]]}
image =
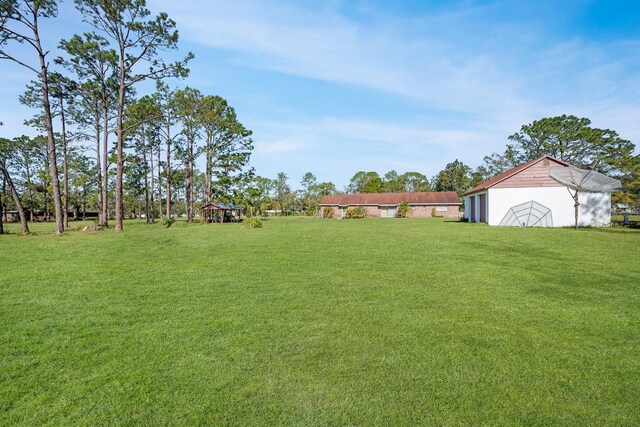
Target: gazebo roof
{"points": [[221, 207]]}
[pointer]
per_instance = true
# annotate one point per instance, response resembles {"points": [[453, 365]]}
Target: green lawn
{"points": [[321, 322]]}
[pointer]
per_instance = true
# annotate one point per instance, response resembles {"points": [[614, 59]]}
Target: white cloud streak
{"points": [[503, 75]]}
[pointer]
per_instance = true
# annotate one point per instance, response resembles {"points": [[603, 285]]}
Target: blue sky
{"points": [[339, 86]]}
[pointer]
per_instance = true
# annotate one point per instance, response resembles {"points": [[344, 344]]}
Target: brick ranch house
{"points": [[527, 196], [384, 205]]}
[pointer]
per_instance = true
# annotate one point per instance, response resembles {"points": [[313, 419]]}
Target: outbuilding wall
{"points": [[595, 208], [475, 199]]}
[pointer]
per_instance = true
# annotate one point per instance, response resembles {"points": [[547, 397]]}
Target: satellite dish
{"points": [[583, 180]]}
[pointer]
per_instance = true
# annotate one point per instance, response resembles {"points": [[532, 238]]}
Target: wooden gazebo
{"points": [[221, 213]]}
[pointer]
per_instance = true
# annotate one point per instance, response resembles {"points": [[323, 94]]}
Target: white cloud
{"points": [[473, 75], [326, 46], [277, 147], [502, 74]]}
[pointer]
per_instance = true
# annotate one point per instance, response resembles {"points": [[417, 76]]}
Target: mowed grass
{"points": [[321, 322]]}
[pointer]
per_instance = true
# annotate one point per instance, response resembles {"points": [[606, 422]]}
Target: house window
{"points": [[442, 208]]}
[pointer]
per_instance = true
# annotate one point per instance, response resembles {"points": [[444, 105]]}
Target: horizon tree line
{"points": [[91, 96]]}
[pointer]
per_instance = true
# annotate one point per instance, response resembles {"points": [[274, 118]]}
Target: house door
{"points": [[388, 212], [483, 208], [472, 202]]}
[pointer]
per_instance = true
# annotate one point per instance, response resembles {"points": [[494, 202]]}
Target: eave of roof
{"points": [[508, 174]]}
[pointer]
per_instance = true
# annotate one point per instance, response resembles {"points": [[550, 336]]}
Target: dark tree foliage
{"points": [[19, 25], [138, 42], [573, 140], [456, 176]]}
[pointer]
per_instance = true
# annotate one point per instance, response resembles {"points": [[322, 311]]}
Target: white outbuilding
{"points": [[528, 196]]}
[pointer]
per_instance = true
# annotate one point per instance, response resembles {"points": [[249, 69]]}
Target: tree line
{"points": [[144, 148], [567, 138]]}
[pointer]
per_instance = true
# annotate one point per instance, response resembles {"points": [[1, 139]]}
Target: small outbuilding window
{"points": [[442, 208]]}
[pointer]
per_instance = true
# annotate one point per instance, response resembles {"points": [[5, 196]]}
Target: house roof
{"points": [[511, 172], [422, 198]]}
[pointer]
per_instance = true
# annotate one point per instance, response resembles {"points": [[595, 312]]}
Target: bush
{"points": [[404, 210], [251, 222], [327, 212], [167, 221], [356, 213], [435, 214]]}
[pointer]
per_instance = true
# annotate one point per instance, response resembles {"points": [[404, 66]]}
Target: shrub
{"points": [[251, 222], [327, 212], [356, 213], [435, 214], [404, 210], [167, 221]]}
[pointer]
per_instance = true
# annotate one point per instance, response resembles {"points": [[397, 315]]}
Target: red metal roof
{"points": [[511, 172], [423, 198]]}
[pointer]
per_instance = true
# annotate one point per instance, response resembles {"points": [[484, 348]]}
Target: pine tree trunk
{"points": [[119, 147], [65, 166], [153, 203], [168, 169], [159, 184], [16, 198], [98, 169], [53, 165], [146, 179], [189, 195], [207, 189], [105, 165]]}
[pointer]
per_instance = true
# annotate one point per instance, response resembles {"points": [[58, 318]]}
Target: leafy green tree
{"points": [[283, 195], [213, 111], [19, 24], [188, 101], [392, 182], [325, 189], [259, 191], [573, 140], [135, 185], [62, 91], [165, 100], [456, 176], [630, 178], [414, 182], [308, 183], [365, 182], [94, 64], [137, 43], [496, 163], [570, 139], [140, 116], [230, 156], [6, 148], [312, 191], [83, 182]]}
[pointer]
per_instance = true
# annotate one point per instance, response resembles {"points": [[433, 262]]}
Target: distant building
{"points": [[385, 205], [527, 196]]}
